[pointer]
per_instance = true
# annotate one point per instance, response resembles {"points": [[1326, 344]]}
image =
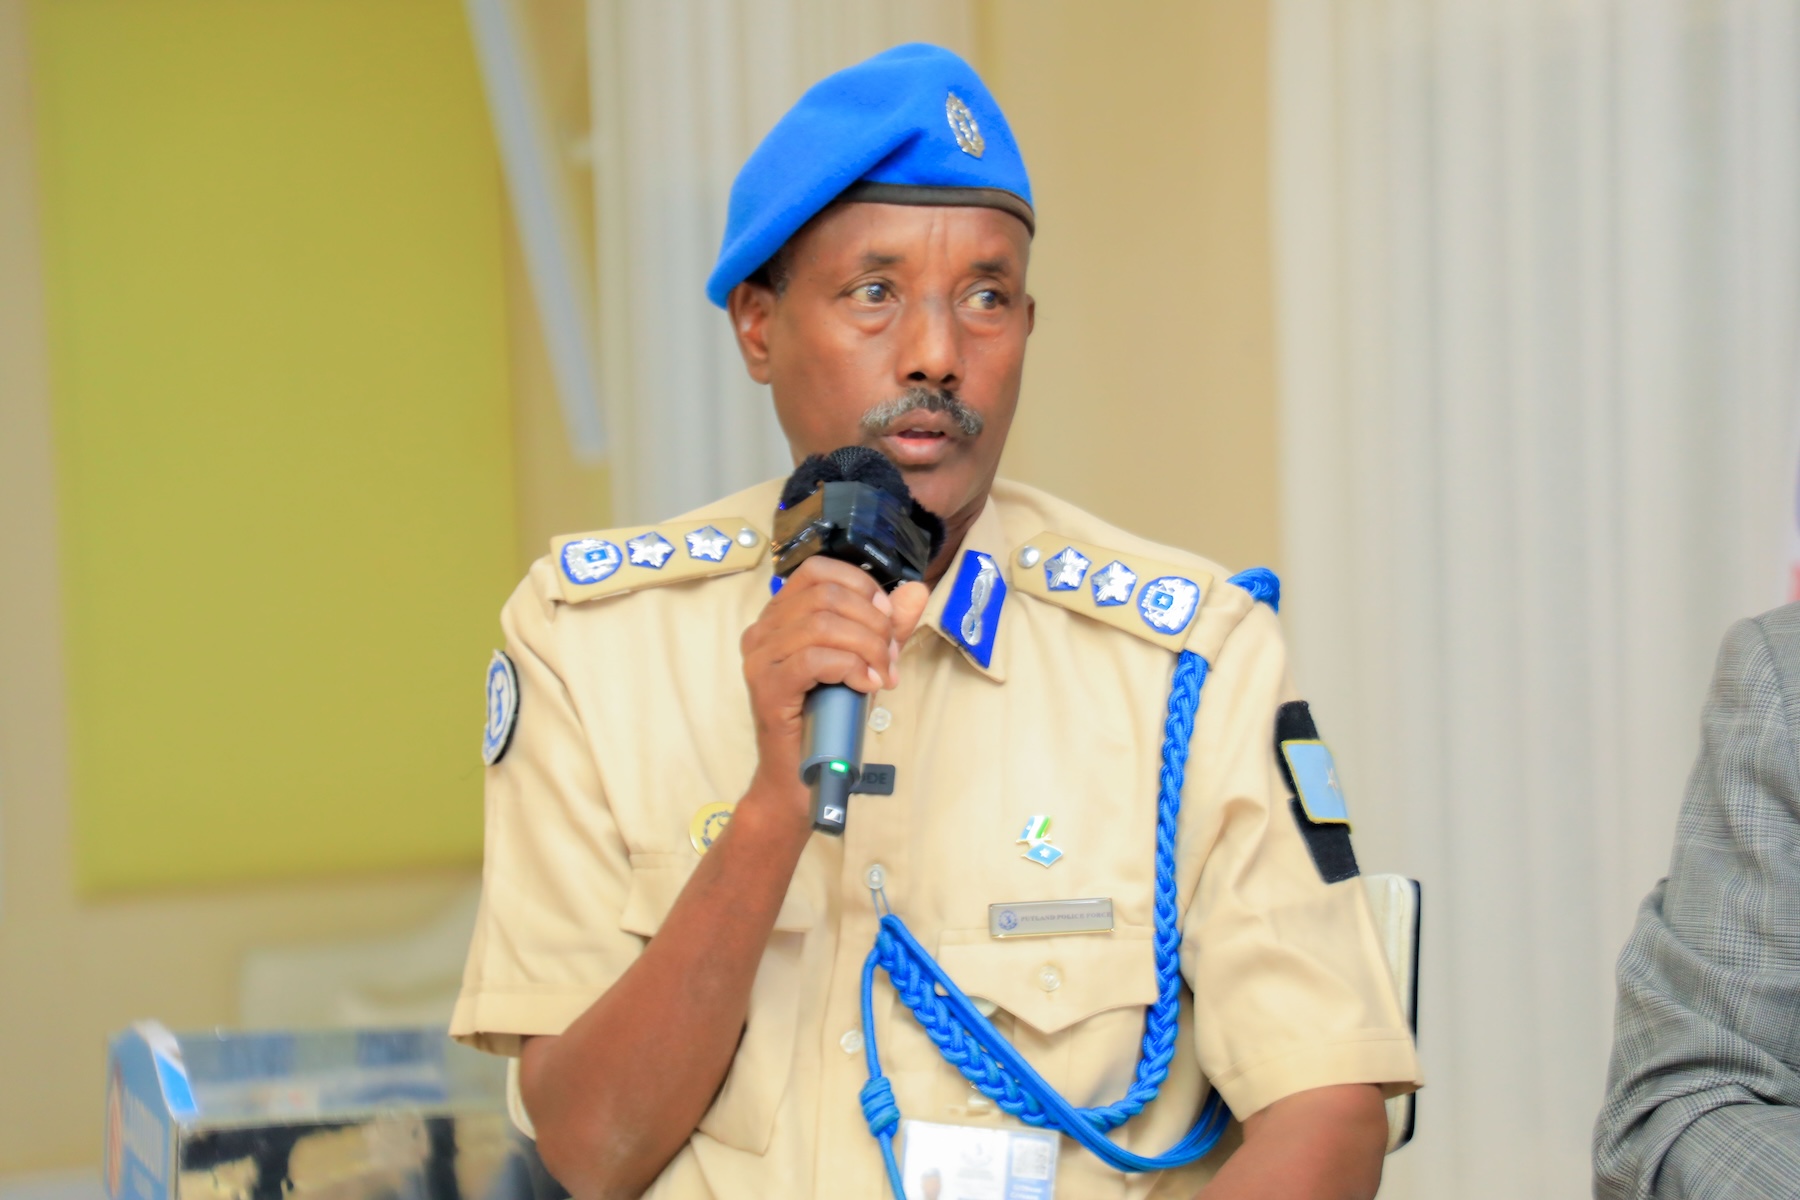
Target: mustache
{"points": [[878, 420]]}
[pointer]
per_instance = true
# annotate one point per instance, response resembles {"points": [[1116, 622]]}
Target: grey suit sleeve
{"points": [[1702, 1096]]}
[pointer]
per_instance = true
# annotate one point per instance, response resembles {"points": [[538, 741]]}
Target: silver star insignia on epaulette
{"points": [[1113, 584], [1065, 572], [708, 544], [650, 549]]}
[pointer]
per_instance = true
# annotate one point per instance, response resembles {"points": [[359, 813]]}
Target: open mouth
{"points": [[919, 440]]}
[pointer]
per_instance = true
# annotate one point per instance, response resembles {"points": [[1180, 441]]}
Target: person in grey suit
{"points": [[1703, 1094]]}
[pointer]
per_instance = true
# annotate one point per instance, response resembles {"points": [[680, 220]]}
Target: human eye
{"points": [[987, 299], [873, 292]]}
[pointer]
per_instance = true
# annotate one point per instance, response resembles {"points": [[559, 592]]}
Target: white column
{"points": [[1538, 270]]}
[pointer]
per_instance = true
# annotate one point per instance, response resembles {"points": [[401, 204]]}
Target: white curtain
{"points": [[1538, 277], [682, 92]]}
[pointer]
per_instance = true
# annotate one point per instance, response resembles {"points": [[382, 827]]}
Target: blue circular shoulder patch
{"points": [[1167, 604], [590, 560], [502, 708]]}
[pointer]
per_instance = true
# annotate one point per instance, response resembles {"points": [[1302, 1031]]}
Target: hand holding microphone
{"points": [[847, 533]]}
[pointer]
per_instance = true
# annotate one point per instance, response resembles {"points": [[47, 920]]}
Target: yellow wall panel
{"points": [[274, 259]]}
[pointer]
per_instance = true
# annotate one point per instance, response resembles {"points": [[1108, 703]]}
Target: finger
{"points": [[833, 616], [831, 631], [816, 665], [909, 601], [819, 569], [839, 589], [841, 601]]}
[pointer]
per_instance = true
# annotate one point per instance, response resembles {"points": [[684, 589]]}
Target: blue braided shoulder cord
{"points": [[970, 1042], [1261, 583]]}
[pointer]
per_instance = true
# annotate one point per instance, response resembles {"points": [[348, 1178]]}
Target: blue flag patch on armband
{"points": [[1316, 781], [972, 613], [1318, 801]]}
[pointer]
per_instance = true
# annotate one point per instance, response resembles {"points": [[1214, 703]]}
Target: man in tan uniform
{"points": [[676, 959]]}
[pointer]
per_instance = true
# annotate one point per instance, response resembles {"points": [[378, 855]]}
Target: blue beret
{"points": [[913, 125]]}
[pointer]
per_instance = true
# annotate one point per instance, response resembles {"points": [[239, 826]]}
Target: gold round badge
{"points": [[708, 824]]}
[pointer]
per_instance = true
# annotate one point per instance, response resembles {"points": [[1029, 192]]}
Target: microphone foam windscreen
{"points": [[859, 464], [851, 464]]}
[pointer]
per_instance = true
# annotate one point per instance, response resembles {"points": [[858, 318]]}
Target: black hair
{"points": [[773, 274]]}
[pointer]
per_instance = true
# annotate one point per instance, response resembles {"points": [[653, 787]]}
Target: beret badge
{"points": [[962, 124]]}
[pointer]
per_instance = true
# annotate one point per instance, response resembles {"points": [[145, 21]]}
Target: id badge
{"points": [[963, 1162]]}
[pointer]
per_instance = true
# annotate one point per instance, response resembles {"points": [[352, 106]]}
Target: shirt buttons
{"points": [[875, 877], [880, 719], [851, 1041], [1048, 977]]}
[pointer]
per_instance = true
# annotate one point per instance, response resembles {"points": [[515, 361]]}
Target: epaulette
{"points": [[615, 561], [1172, 605]]}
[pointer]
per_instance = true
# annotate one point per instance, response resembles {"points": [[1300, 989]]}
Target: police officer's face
{"points": [[886, 307]]}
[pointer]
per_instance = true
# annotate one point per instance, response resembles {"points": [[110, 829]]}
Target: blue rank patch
{"points": [[1113, 584], [502, 708], [1315, 778], [708, 544], [590, 560], [1167, 604], [650, 549], [1064, 570], [972, 613]]}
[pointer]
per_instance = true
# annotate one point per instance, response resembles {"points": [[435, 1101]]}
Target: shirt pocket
{"points": [[1076, 1001], [742, 1116]]}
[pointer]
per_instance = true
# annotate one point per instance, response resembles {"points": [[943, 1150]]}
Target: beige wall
{"points": [[1150, 387]]}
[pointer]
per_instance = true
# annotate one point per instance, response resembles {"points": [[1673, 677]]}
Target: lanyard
{"points": [[969, 1041]]}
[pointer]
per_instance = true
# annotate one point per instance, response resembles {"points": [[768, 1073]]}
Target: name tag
{"points": [[1038, 918], [961, 1162]]}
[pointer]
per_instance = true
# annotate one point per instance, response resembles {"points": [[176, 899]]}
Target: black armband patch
{"points": [[1317, 802]]}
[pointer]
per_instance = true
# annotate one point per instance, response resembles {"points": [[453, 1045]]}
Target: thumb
{"points": [[909, 600]]}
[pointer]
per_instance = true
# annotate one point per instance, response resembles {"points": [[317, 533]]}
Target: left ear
{"points": [[751, 306]]}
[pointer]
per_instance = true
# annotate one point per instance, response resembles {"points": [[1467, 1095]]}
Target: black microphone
{"points": [[851, 505]]}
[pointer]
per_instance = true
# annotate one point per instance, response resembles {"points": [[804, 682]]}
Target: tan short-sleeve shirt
{"points": [[633, 715]]}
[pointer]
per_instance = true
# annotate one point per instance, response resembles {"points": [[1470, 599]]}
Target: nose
{"points": [[931, 348]]}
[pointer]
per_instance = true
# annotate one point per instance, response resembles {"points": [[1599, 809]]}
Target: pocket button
{"points": [[1049, 977]]}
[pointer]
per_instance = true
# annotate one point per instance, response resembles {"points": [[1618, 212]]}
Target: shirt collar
{"points": [[979, 605]]}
